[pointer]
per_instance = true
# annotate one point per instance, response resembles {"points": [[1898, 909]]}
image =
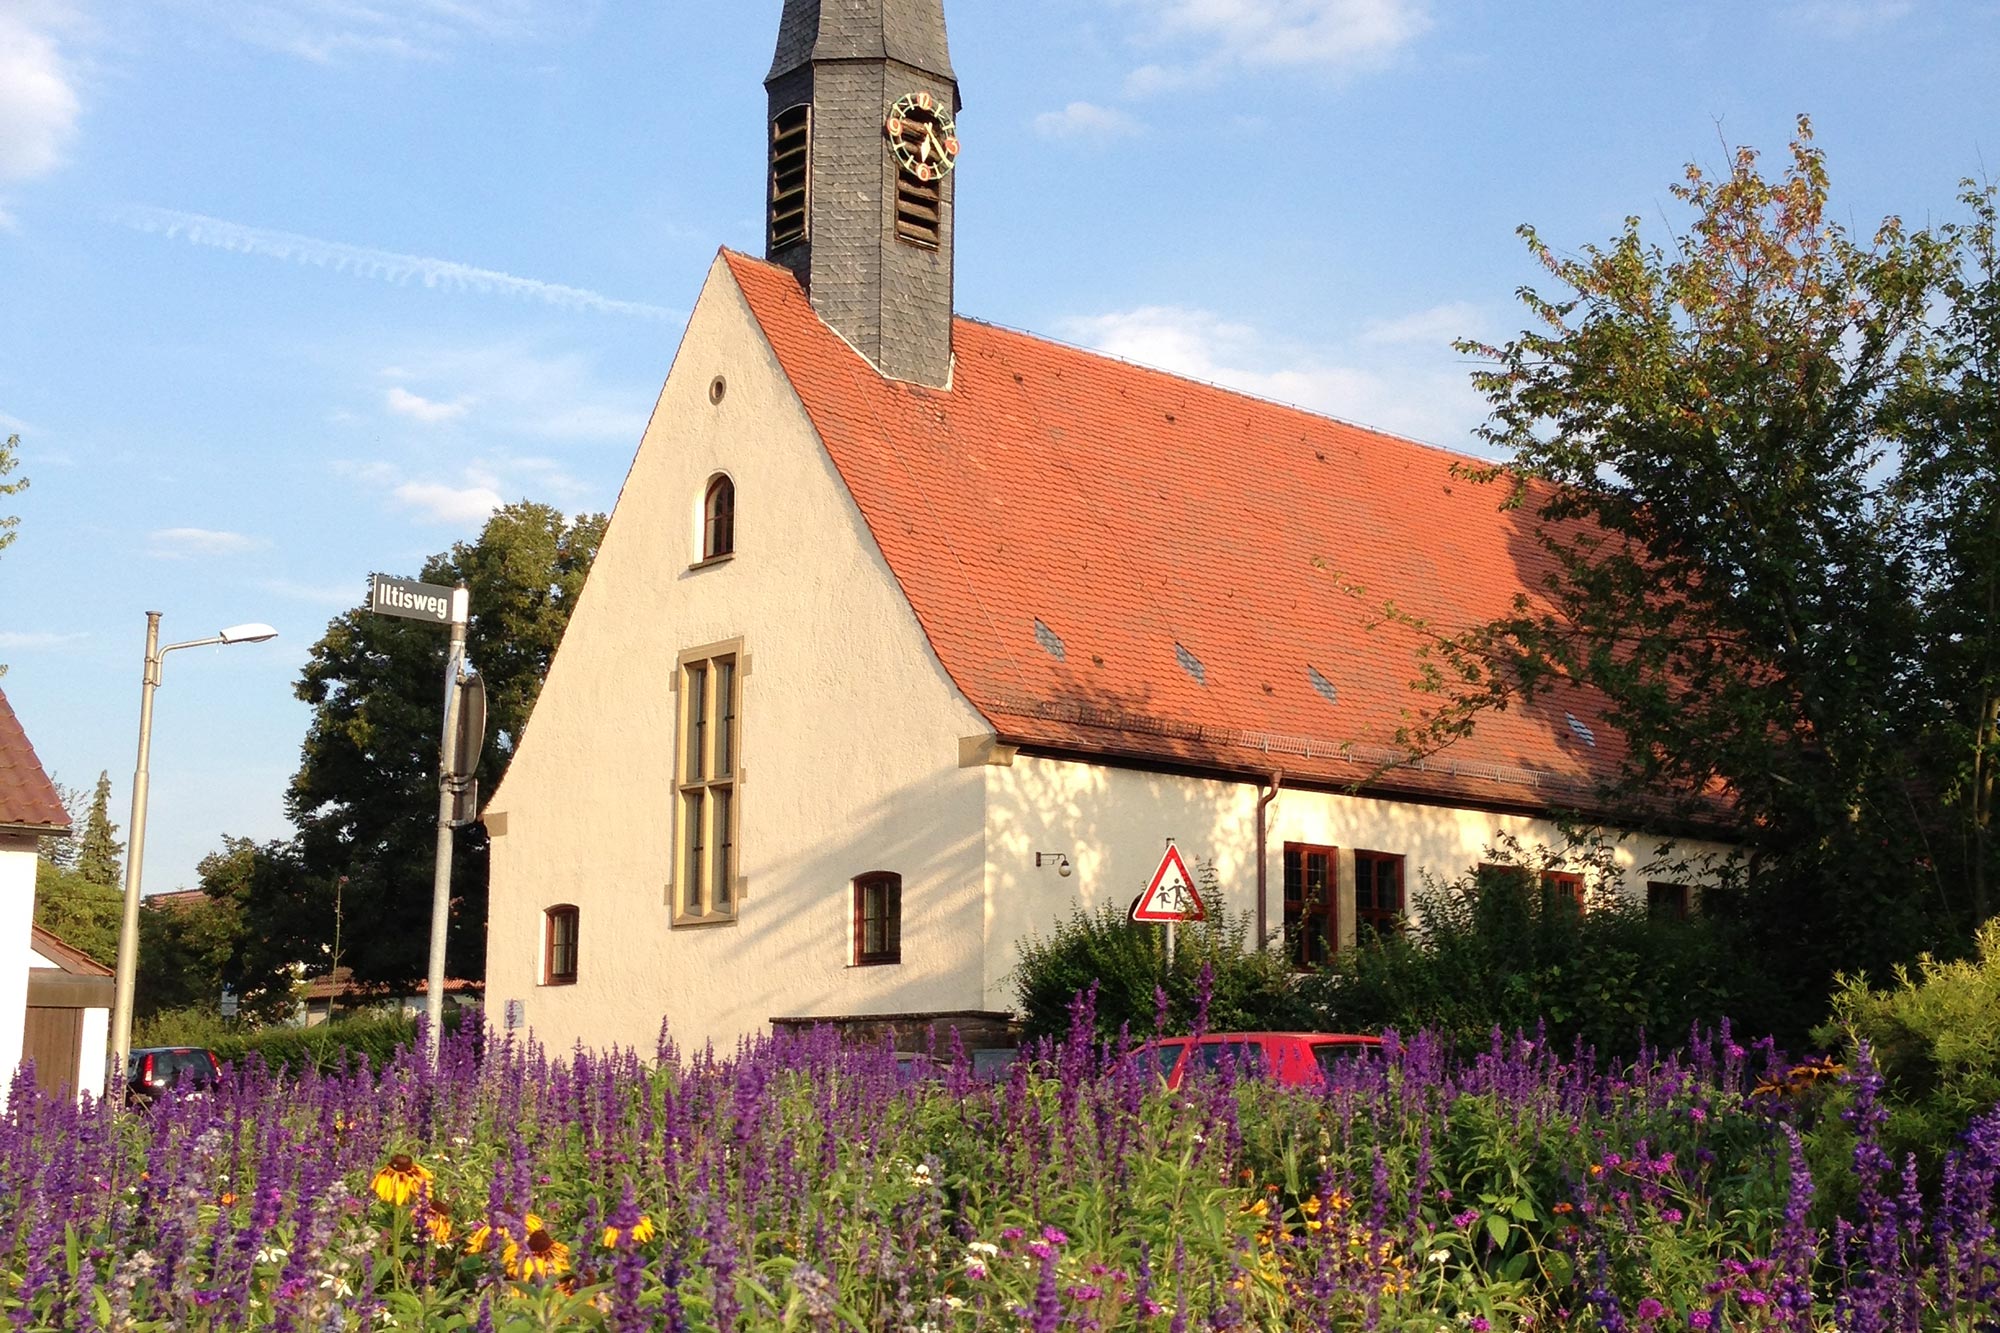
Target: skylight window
{"points": [[1191, 664], [1050, 641], [1582, 730], [1323, 685]]}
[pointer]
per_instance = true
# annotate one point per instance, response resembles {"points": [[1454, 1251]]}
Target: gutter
{"points": [[1263, 874]]}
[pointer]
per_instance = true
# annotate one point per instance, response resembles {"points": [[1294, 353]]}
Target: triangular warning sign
{"points": [[1172, 895]]}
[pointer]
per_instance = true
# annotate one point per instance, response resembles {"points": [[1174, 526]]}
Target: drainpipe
{"points": [[1263, 927]]}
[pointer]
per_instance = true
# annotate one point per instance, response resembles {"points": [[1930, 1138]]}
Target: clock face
{"points": [[922, 136]]}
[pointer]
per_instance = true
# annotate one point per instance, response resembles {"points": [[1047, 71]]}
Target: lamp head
{"points": [[251, 633]]}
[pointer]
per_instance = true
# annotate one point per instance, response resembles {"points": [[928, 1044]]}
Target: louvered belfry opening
{"points": [[791, 153], [919, 206]]}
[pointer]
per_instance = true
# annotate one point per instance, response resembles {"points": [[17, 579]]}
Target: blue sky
{"points": [[292, 290]]}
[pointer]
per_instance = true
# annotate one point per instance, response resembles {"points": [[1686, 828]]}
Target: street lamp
{"points": [[128, 930]]}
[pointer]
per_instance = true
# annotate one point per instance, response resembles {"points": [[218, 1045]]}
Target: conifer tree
{"points": [[100, 858]]}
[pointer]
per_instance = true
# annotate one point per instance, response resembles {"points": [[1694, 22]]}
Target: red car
{"points": [[1295, 1058]]}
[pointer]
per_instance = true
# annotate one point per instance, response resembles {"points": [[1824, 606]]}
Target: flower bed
{"points": [[797, 1184]]}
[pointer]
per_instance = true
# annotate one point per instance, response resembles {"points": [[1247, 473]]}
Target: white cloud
{"points": [[33, 639], [1085, 120], [191, 543], [382, 265], [415, 406], [518, 388], [449, 504], [1323, 36], [330, 30], [352, 593], [1437, 327], [1425, 394], [38, 99]]}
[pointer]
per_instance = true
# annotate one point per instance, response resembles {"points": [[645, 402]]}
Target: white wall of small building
{"points": [[17, 925], [848, 760], [92, 1044], [1113, 825]]}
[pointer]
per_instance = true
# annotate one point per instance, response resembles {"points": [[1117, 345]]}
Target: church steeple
{"points": [[859, 196]]}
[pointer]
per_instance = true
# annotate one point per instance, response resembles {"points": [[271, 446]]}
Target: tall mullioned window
{"points": [[1312, 911], [706, 778], [1378, 893]]}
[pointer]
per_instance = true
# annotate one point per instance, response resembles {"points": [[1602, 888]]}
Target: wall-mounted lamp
{"points": [[1056, 859]]}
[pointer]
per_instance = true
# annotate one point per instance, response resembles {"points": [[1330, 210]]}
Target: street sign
{"points": [[471, 726], [412, 600], [1171, 896]]}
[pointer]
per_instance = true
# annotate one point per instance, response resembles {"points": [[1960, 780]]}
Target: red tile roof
{"points": [[67, 956], [27, 798], [1196, 553]]}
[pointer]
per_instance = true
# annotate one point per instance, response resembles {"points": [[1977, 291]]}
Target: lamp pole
{"points": [[128, 929]]}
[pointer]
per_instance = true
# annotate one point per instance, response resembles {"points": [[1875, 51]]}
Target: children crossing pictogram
{"points": [[1171, 896]]}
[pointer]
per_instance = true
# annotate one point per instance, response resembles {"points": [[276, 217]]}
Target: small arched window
{"points": [[718, 518], [559, 946], [878, 918]]}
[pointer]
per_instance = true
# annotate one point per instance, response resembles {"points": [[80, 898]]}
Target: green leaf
{"points": [[1497, 1228]]}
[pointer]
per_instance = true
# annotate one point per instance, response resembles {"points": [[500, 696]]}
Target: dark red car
{"points": [[1293, 1058]]}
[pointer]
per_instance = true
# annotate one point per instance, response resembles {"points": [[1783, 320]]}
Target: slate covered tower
{"points": [[869, 238]]}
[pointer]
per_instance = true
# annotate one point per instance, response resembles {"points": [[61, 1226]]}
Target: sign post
{"points": [[452, 607], [1170, 898]]}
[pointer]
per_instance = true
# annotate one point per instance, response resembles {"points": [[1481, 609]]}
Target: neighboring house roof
{"points": [[1120, 563], [66, 956], [28, 800], [176, 898], [342, 985]]}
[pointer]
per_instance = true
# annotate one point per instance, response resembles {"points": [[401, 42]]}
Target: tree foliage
{"points": [[83, 914], [1948, 424], [9, 459], [365, 796], [1703, 447], [100, 857]]}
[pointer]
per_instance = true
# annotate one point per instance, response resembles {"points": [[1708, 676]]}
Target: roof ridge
{"points": [[1182, 376]]}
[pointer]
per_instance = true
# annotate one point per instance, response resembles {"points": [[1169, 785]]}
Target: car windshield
{"points": [[1246, 1057], [1164, 1058], [1338, 1055], [168, 1066]]}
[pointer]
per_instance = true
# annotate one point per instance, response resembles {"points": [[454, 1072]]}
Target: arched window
{"points": [[559, 939], [718, 518]]}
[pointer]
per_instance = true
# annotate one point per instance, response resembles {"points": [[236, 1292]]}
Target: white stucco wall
{"points": [[848, 756], [17, 925], [96, 1041], [1113, 824]]}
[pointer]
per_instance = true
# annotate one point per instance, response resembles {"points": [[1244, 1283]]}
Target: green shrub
{"points": [[196, 1025], [1497, 951], [1248, 991], [1935, 1039], [328, 1047]]}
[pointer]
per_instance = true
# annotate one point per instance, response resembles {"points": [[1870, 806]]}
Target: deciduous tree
{"points": [[1949, 483], [1698, 441], [365, 797]]}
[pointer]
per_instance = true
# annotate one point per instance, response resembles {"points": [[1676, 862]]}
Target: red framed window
{"points": [[878, 919], [559, 946], [1563, 886], [1378, 894], [1667, 902], [1312, 908]]}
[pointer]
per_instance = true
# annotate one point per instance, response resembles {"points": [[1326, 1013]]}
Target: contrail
{"points": [[382, 265]]}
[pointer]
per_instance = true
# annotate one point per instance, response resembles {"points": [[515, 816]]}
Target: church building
{"points": [[911, 634]]}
